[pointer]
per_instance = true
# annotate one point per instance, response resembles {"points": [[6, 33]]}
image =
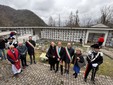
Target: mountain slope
{"points": [[12, 17]]}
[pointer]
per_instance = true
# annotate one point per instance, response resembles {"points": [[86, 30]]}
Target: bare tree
{"points": [[54, 23], [50, 22], [59, 21], [69, 23], [73, 20], [88, 22], [106, 15], [76, 20]]}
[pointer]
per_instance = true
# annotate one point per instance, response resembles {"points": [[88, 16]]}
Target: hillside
{"points": [[12, 17]]}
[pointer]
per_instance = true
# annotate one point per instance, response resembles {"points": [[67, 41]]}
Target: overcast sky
{"points": [[47, 8]]}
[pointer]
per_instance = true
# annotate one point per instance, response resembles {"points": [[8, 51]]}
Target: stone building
{"points": [[88, 35]]}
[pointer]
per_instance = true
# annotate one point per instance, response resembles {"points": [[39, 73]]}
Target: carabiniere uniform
{"points": [[94, 60]]}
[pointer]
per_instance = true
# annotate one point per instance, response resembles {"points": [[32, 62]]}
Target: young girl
{"points": [[76, 59]]}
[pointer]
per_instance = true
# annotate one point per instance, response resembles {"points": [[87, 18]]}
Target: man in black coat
{"points": [[31, 49], [2, 47], [59, 57], [69, 52], [95, 59], [51, 53]]}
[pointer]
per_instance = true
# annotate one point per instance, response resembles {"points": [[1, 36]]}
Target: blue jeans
{"points": [[2, 54]]}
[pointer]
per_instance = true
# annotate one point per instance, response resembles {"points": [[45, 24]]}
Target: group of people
{"points": [[60, 56], [56, 55], [17, 52]]}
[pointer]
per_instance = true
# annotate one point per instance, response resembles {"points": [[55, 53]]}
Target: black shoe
{"points": [[61, 73], [93, 82], [34, 62], [85, 80], [73, 74], [23, 67], [16, 75], [50, 69], [26, 65], [56, 71], [20, 71]]}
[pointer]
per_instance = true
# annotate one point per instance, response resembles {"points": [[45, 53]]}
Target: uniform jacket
{"points": [[98, 60]]}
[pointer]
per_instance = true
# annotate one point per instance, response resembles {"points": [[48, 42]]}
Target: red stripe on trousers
{"points": [[86, 70]]}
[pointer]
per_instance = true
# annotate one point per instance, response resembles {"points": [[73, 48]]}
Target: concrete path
{"points": [[39, 74]]}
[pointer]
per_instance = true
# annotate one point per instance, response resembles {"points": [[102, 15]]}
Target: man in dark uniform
{"points": [[69, 52], [95, 58], [51, 55], [31, 49], [12, 42], [59, 57]]}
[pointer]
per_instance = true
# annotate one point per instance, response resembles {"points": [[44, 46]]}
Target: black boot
{"points": [[34, 62], [61, 69], [85, 80], [50, 67], [76, 75], [73, 74], [93, 82]]}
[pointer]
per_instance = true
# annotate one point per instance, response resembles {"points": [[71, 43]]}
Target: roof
{"points": [[96, 27], [100, 26]]}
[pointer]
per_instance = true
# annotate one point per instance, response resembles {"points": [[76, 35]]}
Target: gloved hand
{"points": [[95, 64]]}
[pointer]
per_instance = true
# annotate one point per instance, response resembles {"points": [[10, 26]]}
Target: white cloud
{"points": [[47, 8]]}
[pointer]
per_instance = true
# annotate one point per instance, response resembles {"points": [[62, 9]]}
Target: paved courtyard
{"points": [[39, 74]]}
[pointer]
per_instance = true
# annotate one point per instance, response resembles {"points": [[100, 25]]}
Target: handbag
{"points": [[81, 64]]}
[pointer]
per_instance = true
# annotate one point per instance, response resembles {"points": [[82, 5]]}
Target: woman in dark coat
{"points": [[51, 54], [76, 59]]}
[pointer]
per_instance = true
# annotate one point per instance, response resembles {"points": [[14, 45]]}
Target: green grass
{"points": [[107, 67]]}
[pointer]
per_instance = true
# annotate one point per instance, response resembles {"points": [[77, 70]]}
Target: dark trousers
{"points": [[52, 66], [67, 67], [23, 60], [32, 58], [57, 67], [88, 69]]}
